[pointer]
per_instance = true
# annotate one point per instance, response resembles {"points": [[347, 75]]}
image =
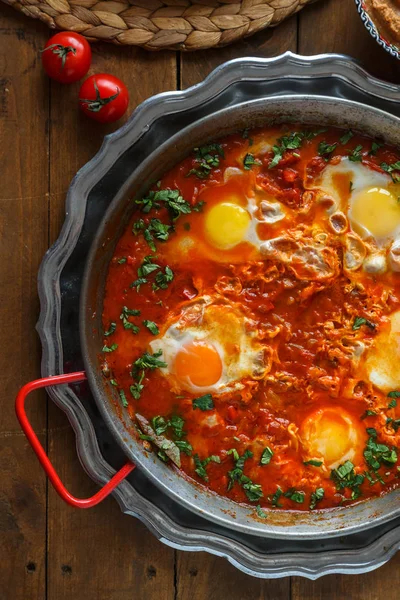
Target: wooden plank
{"points": [[335, 26], [270, 42], [377, 585], [23, 241], [200, 575], [98, 553]]}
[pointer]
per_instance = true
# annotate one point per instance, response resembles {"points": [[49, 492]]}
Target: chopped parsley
{"points": [[171, 199], [266, 456], [295, 496], [260, 512], [127, 312], [147, 266], [184, 446], [203, 402], [276, 497], [359, 321], [316, 497], [287, 142], [392, 170], [163, 279], [159, 424], [376, 454], [114, 382], [140, 366], [325, 150], [249, 161], [155, 229], [346, 137], [313, 463], [368, 413], [176, 423], [109, 348], [151, 326], [111, 329], [124, 401], [394, 394], [374, 148], [252, 490], [345, 477], [200, 465], [207, 159], [121, 261], [356, 155], [138, 282]]}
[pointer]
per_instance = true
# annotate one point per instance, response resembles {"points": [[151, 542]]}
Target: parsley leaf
{"points": [[249, 161], [147, 266], [159, 424], [109, 349], [374, 148], [391, 169], [127, 312], [171, 199], [203, 402], [163, 279], [123, 398], [121, 261], [140, 366], [252, 490], [375, 454], [155, 229], [325, 150], [184, 446], [313, 463], [200, 465], [275, 498], [266, 456], [293, 141], [111, 329], [356, 155], [207, 159], [295, 496], [368, 413], [359, 321], [345, 477], [260, 512], [316, 497], [346, 137], [138, 283], [394, 394], [151, 326]]}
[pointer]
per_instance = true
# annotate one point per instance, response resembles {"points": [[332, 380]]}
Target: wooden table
{"points": [[47, 549]]}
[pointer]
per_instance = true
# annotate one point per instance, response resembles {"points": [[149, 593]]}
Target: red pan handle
{"points": [[41, 454]]}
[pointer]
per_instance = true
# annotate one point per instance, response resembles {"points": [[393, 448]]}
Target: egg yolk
{"points": [[382, 360], [329, 434], [377, 210], [200, 363], [226, 225]]}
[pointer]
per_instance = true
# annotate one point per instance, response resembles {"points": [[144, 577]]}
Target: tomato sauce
{"points": [[269, 441]]}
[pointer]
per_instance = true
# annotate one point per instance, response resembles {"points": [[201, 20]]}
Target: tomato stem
{"points": [[61, 51], [97, 104]]}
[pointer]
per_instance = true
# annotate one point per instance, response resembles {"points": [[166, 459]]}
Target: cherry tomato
{"points": [[103, 97], [66, 57]]}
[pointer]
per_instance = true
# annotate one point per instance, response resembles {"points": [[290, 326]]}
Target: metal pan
{"points": [[304, 109], [293, 525]]}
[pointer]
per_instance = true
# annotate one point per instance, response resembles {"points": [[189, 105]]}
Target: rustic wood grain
{"points": [[23, 240], [98, 553], [102, 554], [335, 26], [270, 42]]}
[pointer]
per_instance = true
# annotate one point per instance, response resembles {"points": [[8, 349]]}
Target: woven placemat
{"points": [[162, 24]]}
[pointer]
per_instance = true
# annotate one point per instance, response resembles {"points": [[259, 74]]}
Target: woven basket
{"points": [[161, 24]]}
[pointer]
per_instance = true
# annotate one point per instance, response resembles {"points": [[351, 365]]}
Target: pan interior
{"points": [[288, 109]]}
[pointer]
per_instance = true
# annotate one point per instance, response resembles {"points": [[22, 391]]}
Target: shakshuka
{"points": [[252, 318]]}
